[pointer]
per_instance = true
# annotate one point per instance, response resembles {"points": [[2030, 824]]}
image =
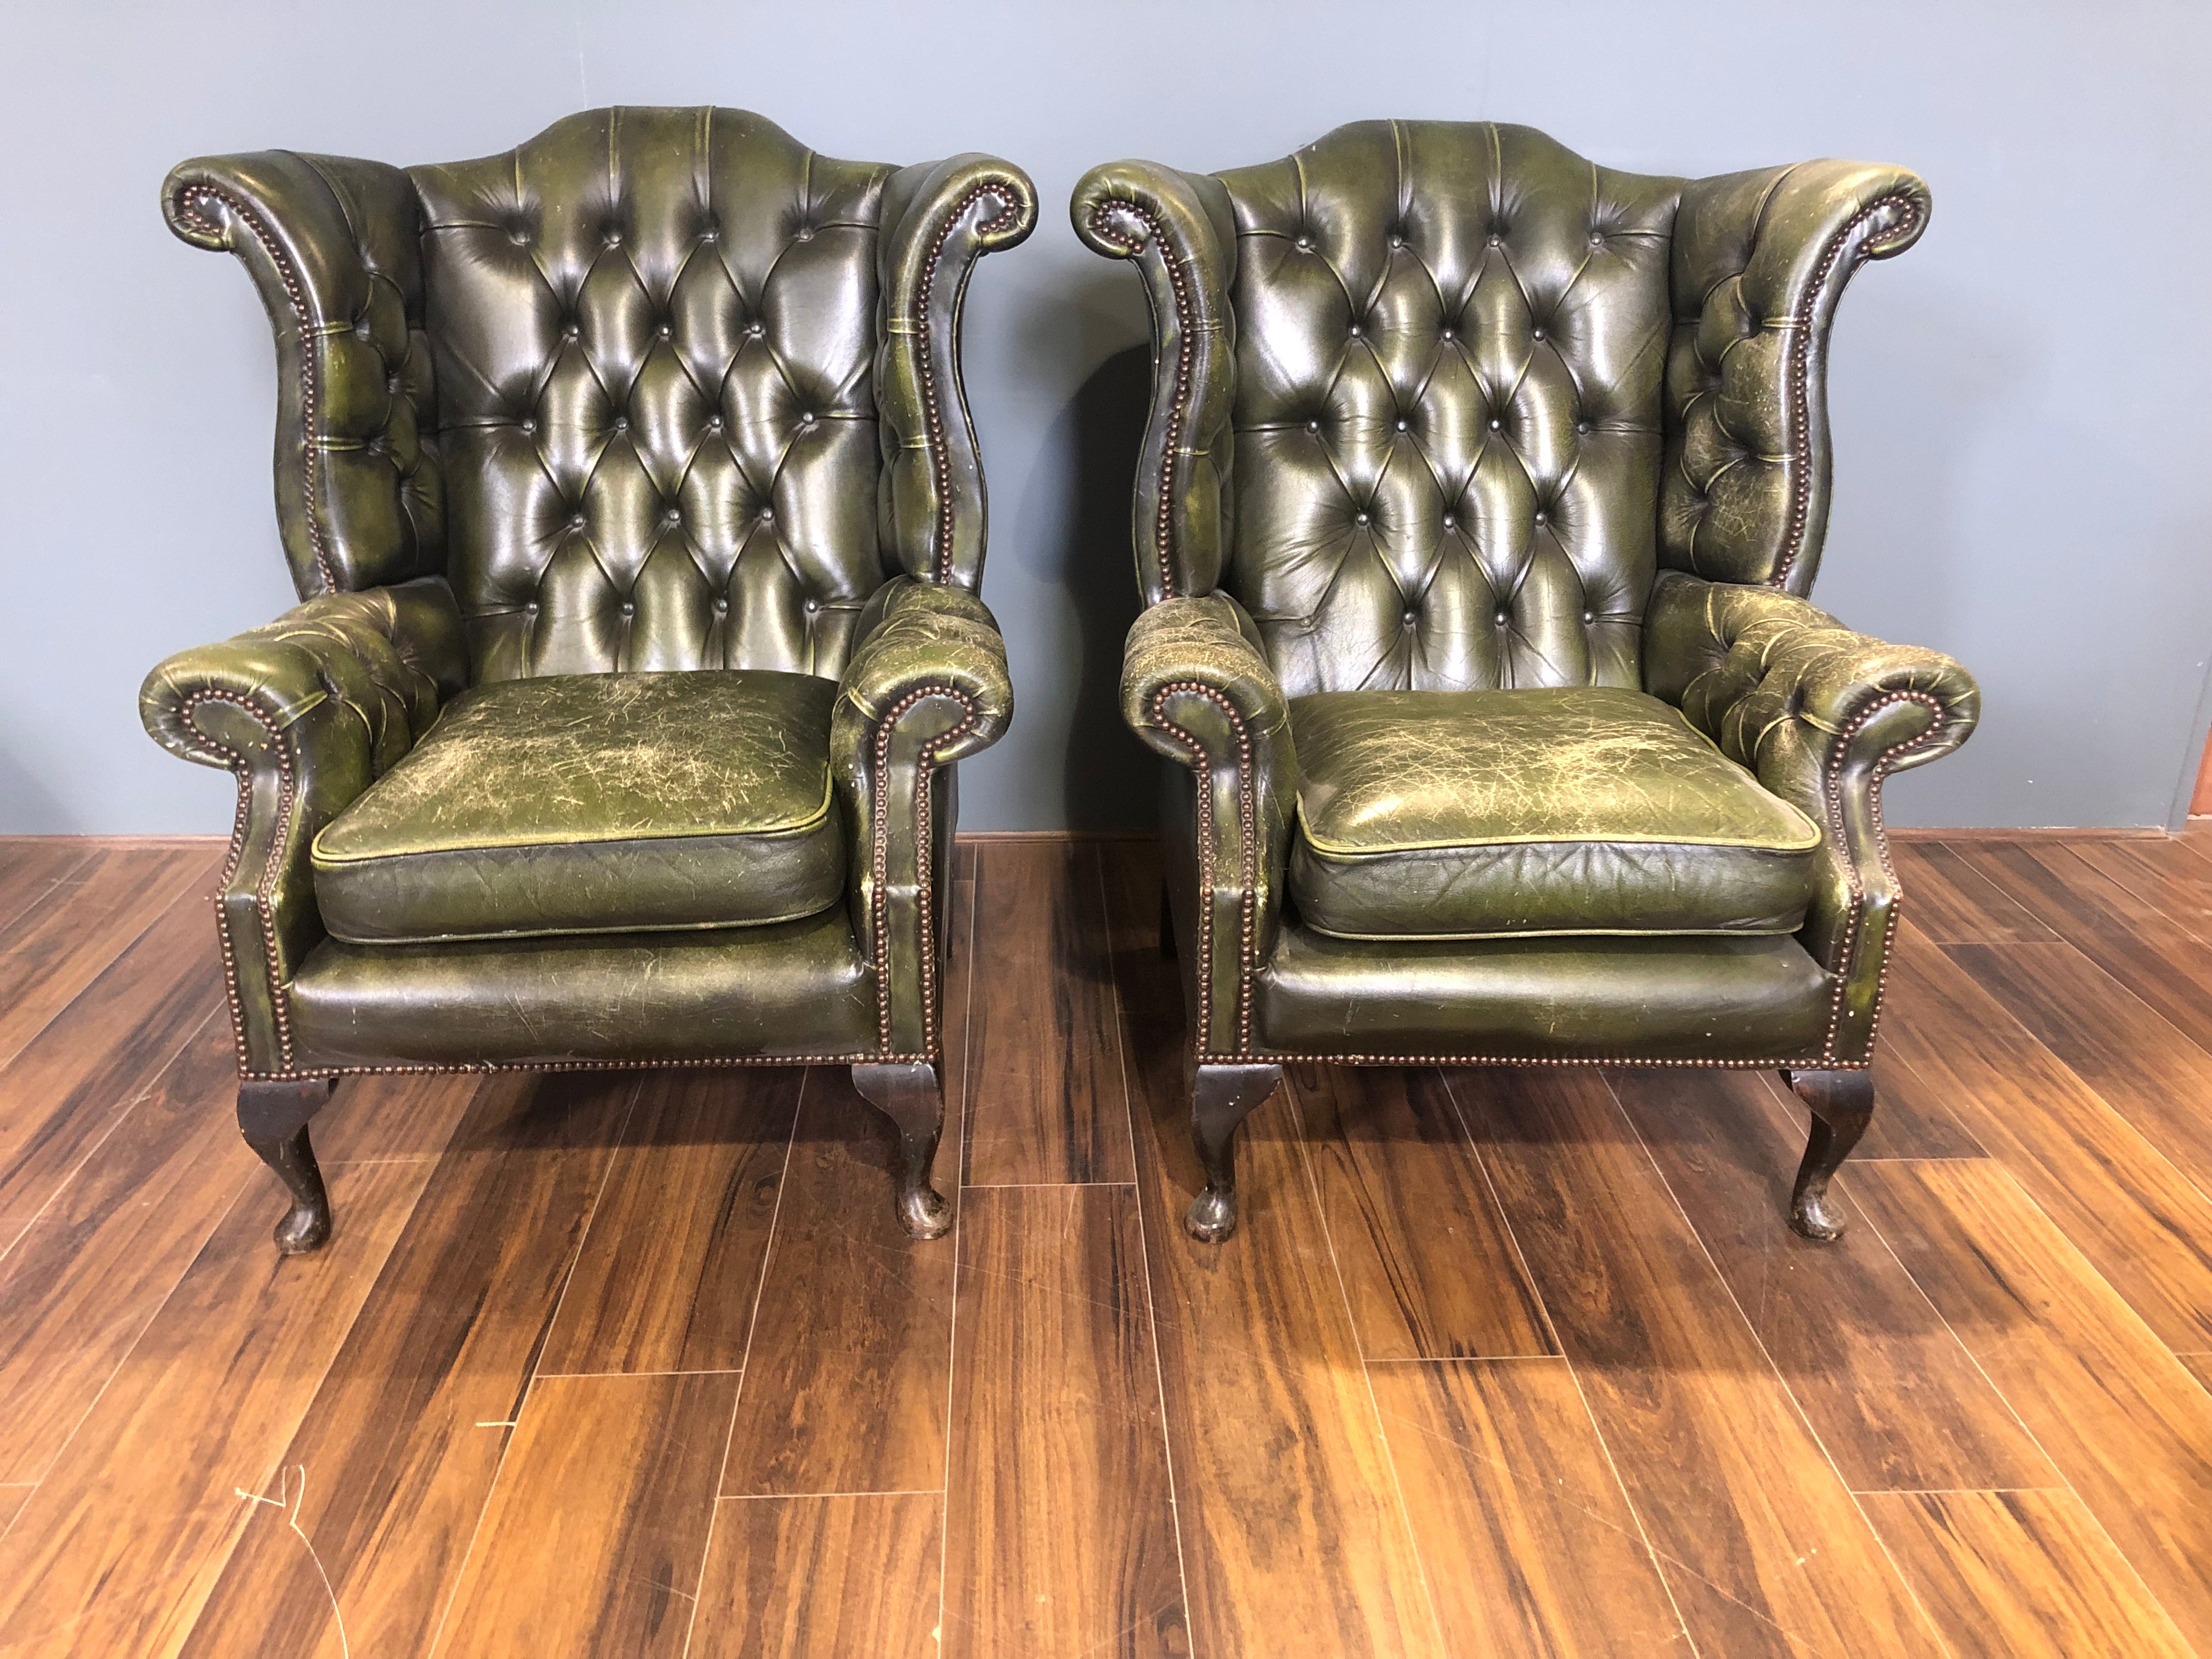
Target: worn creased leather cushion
{"points": [[1572, 810], [597, 802]]}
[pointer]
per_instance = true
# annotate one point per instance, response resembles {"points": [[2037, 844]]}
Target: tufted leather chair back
{"points": [[1451, 358], [653, 333]]}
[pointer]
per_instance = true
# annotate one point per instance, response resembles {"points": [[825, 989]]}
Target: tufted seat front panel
{"points": [[655, 332], [1451, 350]]}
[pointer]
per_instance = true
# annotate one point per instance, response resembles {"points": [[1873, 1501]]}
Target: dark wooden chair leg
{"points": [[1842, 1103], [273, 1118], [910, 1097], [1220, 1098]]}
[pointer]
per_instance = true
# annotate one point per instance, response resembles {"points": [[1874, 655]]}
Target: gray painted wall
{"points": [[2020, 404]]}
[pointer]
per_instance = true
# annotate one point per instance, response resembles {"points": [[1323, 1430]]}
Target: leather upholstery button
{"points": [[1588, 616], [1450, 520], [519, 235], [612, 239], [1582, 427], [1537, 335], [1540, 517], [1363, 517], [1497, 425], [1412, 619], [529, 425], [811, 607], [756, 331], [1597, 238], [1402, 424], [672, 517], [1355, 330], [1305, 241], [662, 330], [806, 232], [767, 514], [806, 419], [1313, 426], [622, 423], [1450, 334], [569, 333], [576, 521], [1494, 239], [628, 609], [1501, 619], [713, 423]]}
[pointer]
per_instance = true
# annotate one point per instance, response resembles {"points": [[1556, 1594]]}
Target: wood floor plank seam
{"points": [[729, 1432], [2091, 1270], [1123, 1067], [137, 1100], [952, 1239], [783, 1497], [1359, 1347], [154, 1313], [530, 1374], [1033, 1186], [1628, 1121], [1651, 1551]]}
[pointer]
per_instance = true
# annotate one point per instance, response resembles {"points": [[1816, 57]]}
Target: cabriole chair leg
{"points": [[1842, 1103], [910, 1097], [1220, 1098], [273, 1118]]}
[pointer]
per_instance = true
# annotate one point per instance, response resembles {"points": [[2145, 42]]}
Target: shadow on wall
{"points": [[1108, 777]]}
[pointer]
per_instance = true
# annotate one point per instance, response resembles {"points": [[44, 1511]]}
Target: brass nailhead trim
{"points": [[189, 201], [1801, 351], [1178, 404], [1881, 768], [878, 904], [941, 462], [1263, 1056], [263, 896], [1248, 820], [588, 1065]]}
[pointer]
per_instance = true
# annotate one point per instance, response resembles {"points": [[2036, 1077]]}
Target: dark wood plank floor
{"points": [[1501, 1363]]}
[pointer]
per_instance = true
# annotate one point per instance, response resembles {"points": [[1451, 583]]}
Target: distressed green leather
{"points": [[1196, 686], [1688, 997], [659, 391], [794, 989], [1568, 810], [595, 803], [1444, 411]]}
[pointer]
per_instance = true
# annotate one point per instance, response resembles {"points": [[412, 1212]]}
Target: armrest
{"points": [[1759, 261], [938, 219], [307, 711], [1196, 687], [1180, 231], [333, 245], [1821, 715], [927, 685]]}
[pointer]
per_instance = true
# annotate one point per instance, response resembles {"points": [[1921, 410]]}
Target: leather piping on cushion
{"points": [[740, 841], [1542, 849], [1632, 1001]]}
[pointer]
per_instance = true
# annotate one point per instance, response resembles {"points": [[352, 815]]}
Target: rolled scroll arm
{"points": [[1821, 715], [1181, 232], [1195, 686], [307, 712], [940, 218], [333, 245], [1759, 261], [928, 686]]}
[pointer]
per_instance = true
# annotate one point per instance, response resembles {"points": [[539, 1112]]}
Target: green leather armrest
{"points": [[927, 685], [1821, 715], [1196, 687], [1182, 233], [1759, 261], [333, 245], [938, 219], [307, 712]]}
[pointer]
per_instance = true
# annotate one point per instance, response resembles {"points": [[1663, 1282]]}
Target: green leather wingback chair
{"points": [[1480, 492], [628, 483]]}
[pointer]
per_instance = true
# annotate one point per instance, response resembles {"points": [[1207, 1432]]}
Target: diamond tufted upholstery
{"points": [[1471, 462], [658, 391]]}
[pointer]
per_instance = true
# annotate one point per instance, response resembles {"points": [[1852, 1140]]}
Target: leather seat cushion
{"points": [[593, 804], [1568, 810]]}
